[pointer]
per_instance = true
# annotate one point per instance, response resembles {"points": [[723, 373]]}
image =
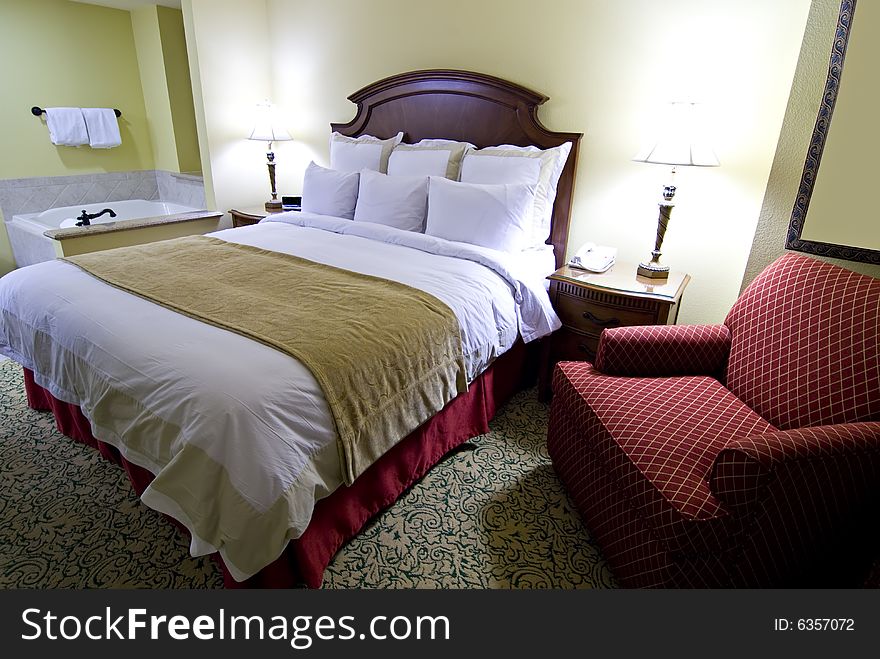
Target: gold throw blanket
{"points": [[387, 356]]}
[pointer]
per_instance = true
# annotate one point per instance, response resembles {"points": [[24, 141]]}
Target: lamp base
{"points": [[273, 206], [653, 270]]}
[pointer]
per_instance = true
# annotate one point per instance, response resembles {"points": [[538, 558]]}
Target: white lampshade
{"points": [[267, 127], [679, 139]]}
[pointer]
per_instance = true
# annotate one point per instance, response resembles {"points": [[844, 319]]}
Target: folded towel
{"points": [[103, 128], [66, 126]]}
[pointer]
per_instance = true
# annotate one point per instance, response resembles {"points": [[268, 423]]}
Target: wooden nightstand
{"points": [[588, 303], [248, 216]]}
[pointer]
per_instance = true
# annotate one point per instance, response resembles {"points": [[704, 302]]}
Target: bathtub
{"points": [[132, 209], [35, 236]]}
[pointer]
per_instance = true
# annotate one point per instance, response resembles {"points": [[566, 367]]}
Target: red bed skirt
{"points": [[340, 516]]}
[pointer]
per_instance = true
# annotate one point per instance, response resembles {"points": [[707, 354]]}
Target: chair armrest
{"points": [[744, 467], [663, 350]]}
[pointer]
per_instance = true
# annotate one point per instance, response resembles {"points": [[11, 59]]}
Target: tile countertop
{"points": [[124, 225]]}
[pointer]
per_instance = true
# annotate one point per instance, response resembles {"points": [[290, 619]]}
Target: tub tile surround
{"points": [[34, 195], [185, 189], [37, 194]]}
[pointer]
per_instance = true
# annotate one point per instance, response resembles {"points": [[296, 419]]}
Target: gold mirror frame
{"points": [[814, 155]]}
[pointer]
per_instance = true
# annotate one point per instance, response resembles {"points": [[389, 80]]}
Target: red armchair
{"points": [[743, 454]]}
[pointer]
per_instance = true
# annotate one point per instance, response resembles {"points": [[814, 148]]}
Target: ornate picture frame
{"points": [[794, 241]]}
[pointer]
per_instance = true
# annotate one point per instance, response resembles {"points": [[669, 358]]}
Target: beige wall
{"points": [[606, 66], [228, 47], [797, 129], [842, 204], [55, 52]]}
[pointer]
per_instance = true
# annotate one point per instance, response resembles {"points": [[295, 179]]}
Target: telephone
{"points": [[596, 258]]}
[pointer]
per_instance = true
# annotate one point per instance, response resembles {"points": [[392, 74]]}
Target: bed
{"points": [[179, 369]]}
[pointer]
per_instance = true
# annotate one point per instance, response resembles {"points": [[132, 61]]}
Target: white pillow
{"points": [[423, 162], [328, 192], [428, 158], [493, 170], [494, 216], [396, 201], [501, 169], [352, 154]]}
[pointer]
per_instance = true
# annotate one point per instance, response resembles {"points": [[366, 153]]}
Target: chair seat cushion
{"points": [[662, 431]]}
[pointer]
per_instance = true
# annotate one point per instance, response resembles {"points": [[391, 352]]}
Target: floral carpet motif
{"points": [[490, 515]]}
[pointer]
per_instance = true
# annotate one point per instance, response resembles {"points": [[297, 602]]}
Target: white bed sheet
{"points": [[218, 386], [539, 263]]}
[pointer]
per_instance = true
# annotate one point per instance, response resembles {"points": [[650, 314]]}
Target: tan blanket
{"points": [[387, 356]]}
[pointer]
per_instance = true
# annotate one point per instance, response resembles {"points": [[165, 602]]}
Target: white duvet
{"points": [[76, 332]]}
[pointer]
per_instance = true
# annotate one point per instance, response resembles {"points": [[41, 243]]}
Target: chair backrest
{"points": [[804, 344]]}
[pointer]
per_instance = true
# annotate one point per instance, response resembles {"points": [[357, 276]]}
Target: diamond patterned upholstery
{"points": [[669, 430], [746, 465], [687, 482], [805, 344], [659, 350]]}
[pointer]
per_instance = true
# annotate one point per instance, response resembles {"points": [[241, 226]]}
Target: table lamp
{"points": [[268, 129], [678, 143]]}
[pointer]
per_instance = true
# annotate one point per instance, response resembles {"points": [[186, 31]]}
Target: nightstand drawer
{"points": [[569, 346], [587, 316]]}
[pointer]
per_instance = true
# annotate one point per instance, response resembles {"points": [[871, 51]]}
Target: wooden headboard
{"points": [[470, 107]]}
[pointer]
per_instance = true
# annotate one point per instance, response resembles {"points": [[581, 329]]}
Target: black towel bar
{"points": [[37, 111]]}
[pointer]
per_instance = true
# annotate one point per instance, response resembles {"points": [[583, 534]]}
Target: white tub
{"points": [[29, 245], [132, 209]]}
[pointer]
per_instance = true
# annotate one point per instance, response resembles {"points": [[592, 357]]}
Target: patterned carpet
{"points": [[491, 515]]}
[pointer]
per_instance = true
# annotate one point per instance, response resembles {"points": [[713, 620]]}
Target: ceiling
{"points": [[131, 4]]}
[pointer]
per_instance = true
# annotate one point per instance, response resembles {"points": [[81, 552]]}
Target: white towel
{"points": [[66, 126], [103, 128]]}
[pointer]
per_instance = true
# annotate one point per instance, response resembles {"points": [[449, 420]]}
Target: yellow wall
{"points": [[161, 54], [605, 65], [195, 74], [151, 64], [229, 63], [180, 93], [7, 260], [55, 52], [797, 129]]}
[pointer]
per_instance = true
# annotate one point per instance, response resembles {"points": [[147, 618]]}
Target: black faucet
{"points": [[86, 218]]}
